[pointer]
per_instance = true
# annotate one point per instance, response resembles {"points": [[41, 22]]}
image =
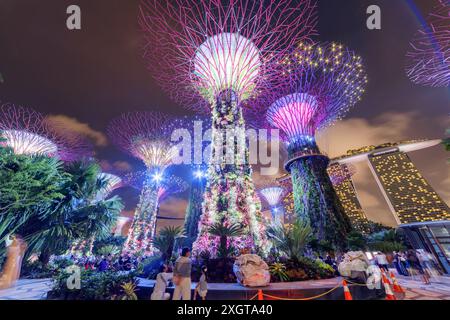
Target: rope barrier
{"points": [[297, 299]]}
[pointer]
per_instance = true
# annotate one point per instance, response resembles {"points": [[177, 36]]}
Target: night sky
{"points": [[87, 77]]}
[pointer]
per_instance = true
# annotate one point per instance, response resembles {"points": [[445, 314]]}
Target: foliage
{"points": [[165, 240], [75, 216], [278, 272], [30, 188], [129, 292], [94, 285], [307, 269], [386, 241], [225, 233], [387, 246], [108, 250], [356, 241], [290, 239], [111, 241]]}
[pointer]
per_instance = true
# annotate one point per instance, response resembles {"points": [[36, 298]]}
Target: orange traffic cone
{"points": [[347, 294], [260, 295], [396, 286], [387, 288]]}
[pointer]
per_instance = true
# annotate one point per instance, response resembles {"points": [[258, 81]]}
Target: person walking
{"points": [[382, 261], [162, 280], [182, 276], [202, 285]]}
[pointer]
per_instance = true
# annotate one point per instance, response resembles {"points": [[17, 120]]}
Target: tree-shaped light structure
{"points": [[273, 195], [316, 85], [142, 135], [195, 132], [167, 186], [211, 55], [27, 131], [428, 60]]}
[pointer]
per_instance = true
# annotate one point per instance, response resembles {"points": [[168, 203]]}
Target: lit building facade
{"points": [[408, 194], [341, 177]]}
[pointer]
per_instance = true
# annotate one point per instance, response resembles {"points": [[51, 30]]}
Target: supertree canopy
{"points": [[212, 55], [27, 131], [428, 60], [142, 135], [316, 85]]}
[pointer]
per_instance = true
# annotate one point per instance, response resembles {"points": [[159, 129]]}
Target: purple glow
{"points": [[196, 49], [428, 60], [142, 135], [315, 85]]}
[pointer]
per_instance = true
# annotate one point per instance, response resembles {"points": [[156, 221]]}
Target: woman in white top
{"points": [[162, 280]]}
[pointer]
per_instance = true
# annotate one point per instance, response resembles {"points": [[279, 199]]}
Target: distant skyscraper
{"points": [[341, 177], [409, 196]]}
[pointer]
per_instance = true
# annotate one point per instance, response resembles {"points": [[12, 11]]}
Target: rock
{"points": [[251, 271], [354, 262]]}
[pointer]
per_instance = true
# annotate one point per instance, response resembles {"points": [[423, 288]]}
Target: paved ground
{"points": [[26, 289], [415, 290]]}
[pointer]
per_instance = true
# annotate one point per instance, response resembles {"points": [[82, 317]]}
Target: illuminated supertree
{"points": [[211, 56], [428, 60], [142, 135], [27, 131], [315, 86], [273, 195]]}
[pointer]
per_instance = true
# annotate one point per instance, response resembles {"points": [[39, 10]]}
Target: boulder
{"points": [[354, 263], [251, 271]]}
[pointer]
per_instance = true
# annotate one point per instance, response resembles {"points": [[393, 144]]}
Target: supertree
{"points": [[27, 131], [195, 148], [273, 195], [211, 56], [428, 60], [315, 86], [142, 135]]}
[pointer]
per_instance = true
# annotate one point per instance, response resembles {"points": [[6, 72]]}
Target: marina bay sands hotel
{"points": [[415, 205]]}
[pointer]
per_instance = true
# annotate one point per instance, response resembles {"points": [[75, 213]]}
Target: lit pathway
{"points": [[439, 289], [27, 289]]}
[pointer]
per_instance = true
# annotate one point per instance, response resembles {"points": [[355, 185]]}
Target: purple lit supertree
{"points": [[27, 131], [273, 196], [428, 60], [211, 56], [142, 135], [315, 86]]}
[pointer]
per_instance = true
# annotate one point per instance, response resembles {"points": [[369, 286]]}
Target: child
{"points": [[162, 280], [202, 285]]}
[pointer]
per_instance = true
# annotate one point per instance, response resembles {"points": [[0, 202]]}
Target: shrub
{"points": [[94, 285]]}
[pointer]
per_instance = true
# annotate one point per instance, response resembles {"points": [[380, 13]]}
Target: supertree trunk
{"points": [[194, 211], [142, 229], [230, 196], [315, 199]]}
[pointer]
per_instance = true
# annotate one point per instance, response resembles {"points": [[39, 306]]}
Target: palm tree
{"points": [[165, 240], [291, 239], [224, 233], [76, 216]]}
